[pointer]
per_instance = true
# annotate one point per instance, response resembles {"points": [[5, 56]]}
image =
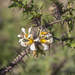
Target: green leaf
{"points": [[13, 5]]}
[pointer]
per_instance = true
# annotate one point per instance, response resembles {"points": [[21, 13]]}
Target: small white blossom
{"points": [[43, 34], [25, 34], [29, 42], [42, 38]]}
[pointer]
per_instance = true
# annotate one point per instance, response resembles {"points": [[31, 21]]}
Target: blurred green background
{"points": [[10, 26]]}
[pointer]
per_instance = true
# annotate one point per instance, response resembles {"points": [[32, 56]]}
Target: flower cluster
{"points": [[42, 38]]}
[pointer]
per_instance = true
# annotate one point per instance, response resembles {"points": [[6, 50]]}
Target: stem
{"points": [[13, 63], [52, 23]]}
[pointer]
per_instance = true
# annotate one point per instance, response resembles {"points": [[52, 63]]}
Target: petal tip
{"points": [[23, 30], [19, 36]]}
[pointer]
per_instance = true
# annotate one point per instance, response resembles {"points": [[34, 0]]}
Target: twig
{"points": [[50, 24], [13, 63]]}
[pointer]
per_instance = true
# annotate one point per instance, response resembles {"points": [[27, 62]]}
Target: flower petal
{"points": [[29, 30], [19, 36], [29, 36], [37, 39], [45, 46], [48, 35], [23, 44], [23, 30], [21, 40], [32, 47], [51, 40]]}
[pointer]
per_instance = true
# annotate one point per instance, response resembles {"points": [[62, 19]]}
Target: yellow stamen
{"points": [[44, 41], [44, 33], [26, 35], [30, 41]]}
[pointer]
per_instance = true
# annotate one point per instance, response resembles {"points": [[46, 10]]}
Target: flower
{"points": [[27, 40], [25, 34], [43, 40], [30, 41]]}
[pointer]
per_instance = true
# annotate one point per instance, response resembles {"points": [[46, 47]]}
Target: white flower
{"points": [[30, 42], [43, 35], [25, 34], [27, 39]]}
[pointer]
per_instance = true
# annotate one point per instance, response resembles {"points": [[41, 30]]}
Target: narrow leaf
{"points": [[13, 5]]}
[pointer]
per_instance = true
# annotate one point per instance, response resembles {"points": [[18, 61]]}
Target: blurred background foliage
{"points": [[10, 26]]}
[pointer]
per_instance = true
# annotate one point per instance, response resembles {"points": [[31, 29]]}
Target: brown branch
{"points": [[13, 63]]}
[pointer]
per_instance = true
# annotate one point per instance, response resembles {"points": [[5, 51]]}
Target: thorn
{"points": [[22, 16], [13, 9], [17, 51], [19, 9], [26, 55], [29, 4], [10, 1], [9, 72], [49, 48], [25, 18], [24, 62], [1, 69], [32, 23], [8, 61], [17, 65], [28, 52]]}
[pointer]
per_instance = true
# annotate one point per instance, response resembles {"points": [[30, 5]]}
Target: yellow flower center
{"points": [[42, 40], [44, 33], [30, 41], [26, 35]]}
